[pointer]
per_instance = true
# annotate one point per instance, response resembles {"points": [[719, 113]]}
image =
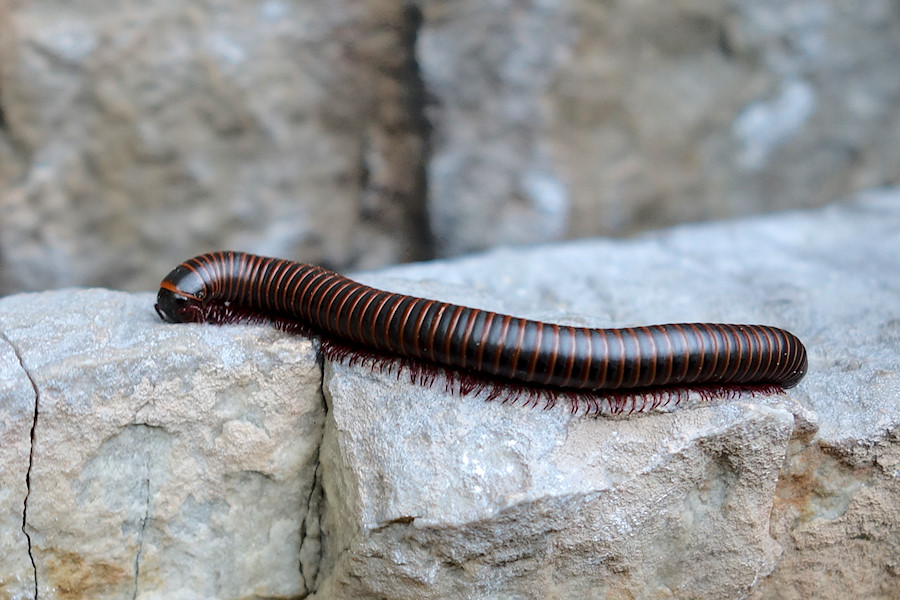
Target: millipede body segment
{"points": [[478, 341]]}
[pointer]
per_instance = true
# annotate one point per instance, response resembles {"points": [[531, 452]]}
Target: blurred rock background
{"points": [[359, 133]]}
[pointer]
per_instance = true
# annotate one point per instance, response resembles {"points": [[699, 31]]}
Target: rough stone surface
{"points": [[16, 417], [195, 462], [694, 109], [356, 133], [489, 66], [434, 496], [168, 462], [581, 118], [135, 135], [470, 499]]}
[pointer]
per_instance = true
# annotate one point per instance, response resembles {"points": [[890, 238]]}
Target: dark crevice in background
{"points": [[723, 41], [417, 104], [4, 124], [6, 285], [394, 149]]}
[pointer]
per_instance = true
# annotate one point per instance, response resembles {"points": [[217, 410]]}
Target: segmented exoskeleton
{"points": [[481, 341]]}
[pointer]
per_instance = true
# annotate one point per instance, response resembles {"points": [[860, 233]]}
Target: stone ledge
{"points": [[197, 461], [168, 461]]}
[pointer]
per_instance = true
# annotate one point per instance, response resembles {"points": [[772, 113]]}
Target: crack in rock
{"points": [[37, 399], [312, 519], [313, 511], [137, 556]]}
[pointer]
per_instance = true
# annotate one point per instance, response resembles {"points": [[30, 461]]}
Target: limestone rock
{"points": [[436, 496], [167, 461], [16, 418], [357, 133], [134, 135], [196, 461], [579, 118]]}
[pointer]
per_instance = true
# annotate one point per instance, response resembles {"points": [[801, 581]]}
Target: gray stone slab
{"points": [[16, 418], [197, 461], [831, 276], [168, 461], [365, 132], [437, 496]]}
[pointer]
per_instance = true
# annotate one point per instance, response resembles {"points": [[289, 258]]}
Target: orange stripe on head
{"points": [[171, 287]]}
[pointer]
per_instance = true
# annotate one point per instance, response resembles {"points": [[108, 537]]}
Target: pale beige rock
{"points": [[435, 496], [168, 461], [356, 133], [16, 418], [438, 496], [196, 461], [584, 118], [134, 135], [836, 519]]}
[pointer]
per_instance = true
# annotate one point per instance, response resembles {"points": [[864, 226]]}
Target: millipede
{"points": [[608, 371]]}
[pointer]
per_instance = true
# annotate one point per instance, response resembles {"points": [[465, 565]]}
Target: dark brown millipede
{"points": [[481, 341]]}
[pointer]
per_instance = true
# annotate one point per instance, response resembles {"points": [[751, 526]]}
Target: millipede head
{"points": [[180, 298]]}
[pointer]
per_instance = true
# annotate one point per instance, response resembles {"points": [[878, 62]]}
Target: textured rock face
{"points": [[356, 133], [766, 499], [490, 66], [135, 135], [195, 461], [16, 417], [167, 461], [471, 499], [711, 109]]}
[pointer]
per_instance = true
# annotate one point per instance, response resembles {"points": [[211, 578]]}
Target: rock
{"points": [[196, 461], [435, 496], [132, 136], [584, 118], [167, 461], [16, 417], [359, 133], [489, 67]]}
